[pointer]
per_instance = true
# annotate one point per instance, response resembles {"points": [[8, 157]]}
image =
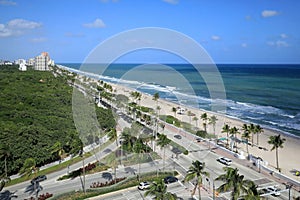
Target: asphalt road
{"points": [[198, 151]]}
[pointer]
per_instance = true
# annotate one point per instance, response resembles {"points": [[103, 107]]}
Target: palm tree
{"points": [[58, 150], [112, 161], [213, 120], [5, 153], [189, 113], [252, 192], [234, 131], [233, 182], [258, 130], [196, 170], [246, 135], [196, 121], [277, 142], [28, 167], [156, 97], [112, 134], [204, 118], [158, 190], [251, 129], [226, 129], [163, 141], [174, 110], [138, 148]]}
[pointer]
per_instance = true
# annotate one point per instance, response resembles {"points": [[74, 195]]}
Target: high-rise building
{"points": [[41, 62]]}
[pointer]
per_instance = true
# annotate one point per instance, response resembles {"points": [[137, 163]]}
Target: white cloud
{"points": [[215, 37], [17, 27], [171, 1], [23, 24], [283, 36], [278, 43], [7, 3], [98, 23], [269, 13]]}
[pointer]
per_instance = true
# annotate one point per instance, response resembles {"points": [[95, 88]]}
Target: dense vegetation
{"points": [[36, 119]]}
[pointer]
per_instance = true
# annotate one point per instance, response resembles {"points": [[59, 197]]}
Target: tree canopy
{"points": [[35, 114]]}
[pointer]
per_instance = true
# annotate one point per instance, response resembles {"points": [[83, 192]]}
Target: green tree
{"points": [[196, 121], [246, 135], [233, 182], [204, 118], [158, 190], [156, 96], [5, 153], [196, 170], [139, 148], [174, 110], [57, 150], [258, 131], [226, 129], [113, 136], [251, 129], [163, 141], [29, 167], [113, 162], [213, 120], [277, 142], [234, 131]]}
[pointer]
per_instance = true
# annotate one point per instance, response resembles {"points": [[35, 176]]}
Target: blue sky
{"points": [[231, 31]]}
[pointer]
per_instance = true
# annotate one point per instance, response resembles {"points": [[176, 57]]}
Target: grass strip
{"points": [[127, 183]]}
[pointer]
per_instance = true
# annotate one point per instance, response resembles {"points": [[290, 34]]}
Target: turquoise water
{"points": [[265, 94]]}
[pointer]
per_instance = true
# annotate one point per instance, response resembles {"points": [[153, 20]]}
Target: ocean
{"points": [[268, 95]]}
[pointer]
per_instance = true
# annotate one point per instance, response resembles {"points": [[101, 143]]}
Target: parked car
{"points": [[275, 191], [170, 179], [199, 140], [177, 136], [225, 161], [38, 179], [143, 185]]}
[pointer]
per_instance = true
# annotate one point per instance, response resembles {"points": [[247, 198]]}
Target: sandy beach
{"points": [[288, 158]]}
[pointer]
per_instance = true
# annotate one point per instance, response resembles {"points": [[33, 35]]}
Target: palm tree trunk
{"points": [[257, 137], [227, 139], [5, 167], [164, 159], [277, 162], [83, 170], [199, 191]]}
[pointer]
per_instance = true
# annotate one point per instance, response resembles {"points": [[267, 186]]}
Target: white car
{"points": [[225, 161], [275, 191], [143, 185]]}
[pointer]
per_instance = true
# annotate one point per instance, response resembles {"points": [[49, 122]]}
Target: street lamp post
{"points": [[214, 190], [289, 186]]}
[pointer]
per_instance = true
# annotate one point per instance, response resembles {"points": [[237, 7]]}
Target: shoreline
{"points": [[117, 81], [288, 159]]}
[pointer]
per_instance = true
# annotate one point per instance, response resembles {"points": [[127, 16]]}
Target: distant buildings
{"points": [[41, 62], [22, 64]]}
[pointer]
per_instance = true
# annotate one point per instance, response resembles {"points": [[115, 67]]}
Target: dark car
{"points": [[38, 179], [177, 136], [170, 179]]}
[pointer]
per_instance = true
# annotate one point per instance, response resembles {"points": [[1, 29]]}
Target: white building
{"points": [[30, 62], [22, 64], [41, 62]]}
